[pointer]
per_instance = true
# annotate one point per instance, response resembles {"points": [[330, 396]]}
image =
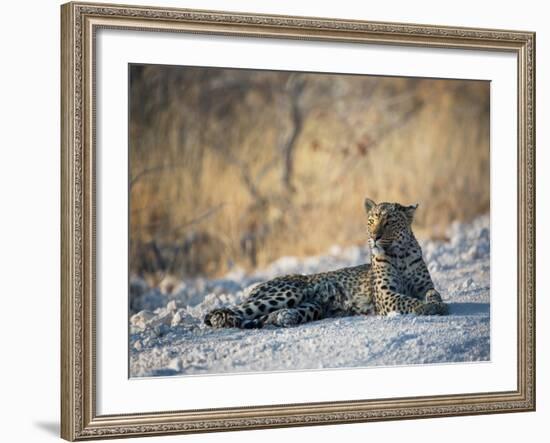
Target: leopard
{"points": [[396, 281]]}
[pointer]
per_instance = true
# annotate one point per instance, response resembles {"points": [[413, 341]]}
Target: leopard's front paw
{"points": [[222, 318], [284, 318], [432, 296]]}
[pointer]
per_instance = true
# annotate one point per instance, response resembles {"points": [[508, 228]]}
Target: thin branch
{"points": [[201, 217], [153, 170]]}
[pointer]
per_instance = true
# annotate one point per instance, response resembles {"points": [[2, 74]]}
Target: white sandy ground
{"points": [[167, 336]]}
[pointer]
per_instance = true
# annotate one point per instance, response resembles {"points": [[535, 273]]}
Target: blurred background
{"points": [[236, 168]]}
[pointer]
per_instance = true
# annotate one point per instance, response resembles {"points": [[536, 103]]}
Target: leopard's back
{"points": [[342, 290]]}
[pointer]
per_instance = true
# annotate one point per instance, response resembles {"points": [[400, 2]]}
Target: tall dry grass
{"points": [[207, 162]]}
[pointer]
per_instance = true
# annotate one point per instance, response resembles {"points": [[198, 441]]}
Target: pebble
{"points": [[164, 317], [172, 306], [181, 316], [468, 283], [176, 319], [141, 319], [161, 329]]}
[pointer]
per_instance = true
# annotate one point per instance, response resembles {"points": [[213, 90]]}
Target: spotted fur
{"points": [[397, 280]]}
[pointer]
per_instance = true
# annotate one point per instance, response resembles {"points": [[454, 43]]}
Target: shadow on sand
{"points": [[469, 309]]}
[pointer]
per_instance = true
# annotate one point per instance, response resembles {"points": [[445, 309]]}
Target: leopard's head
{"points": [[387, 224]]}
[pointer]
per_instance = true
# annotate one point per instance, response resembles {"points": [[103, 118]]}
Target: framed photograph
{"points": [[277, 221]]}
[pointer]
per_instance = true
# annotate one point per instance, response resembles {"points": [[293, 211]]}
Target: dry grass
{"points": [[391, 139]]}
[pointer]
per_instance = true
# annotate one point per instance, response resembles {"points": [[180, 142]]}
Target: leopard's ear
{"points": [[369, 204], [409, 211]]}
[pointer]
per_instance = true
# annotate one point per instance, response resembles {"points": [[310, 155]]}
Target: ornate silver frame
{"points": [[80, 21]]}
